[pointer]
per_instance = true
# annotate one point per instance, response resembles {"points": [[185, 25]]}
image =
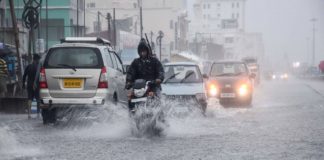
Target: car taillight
{"points": [[103, 80], [42, 79]]}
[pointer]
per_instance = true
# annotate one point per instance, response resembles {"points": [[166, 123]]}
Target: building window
{"points": [[171, 24], [204, 16], [208, 16], [208, 6], [204, 6], [218, 4], [218, 15], [233, 5], [229, 40], [91, 5], [237, 15], [237, 4], [233, 16]]}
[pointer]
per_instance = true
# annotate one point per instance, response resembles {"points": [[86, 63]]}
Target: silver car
{"points": [[183, 82], [81, 71]]}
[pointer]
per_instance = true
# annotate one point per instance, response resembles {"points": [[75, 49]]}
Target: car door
{"points": [[120, 79], [111, 72]]}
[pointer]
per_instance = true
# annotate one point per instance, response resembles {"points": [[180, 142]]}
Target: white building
{"points": [[157, 15], [223, 22], [213, 16]]}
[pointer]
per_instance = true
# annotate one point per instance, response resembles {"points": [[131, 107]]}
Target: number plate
{"points": [[227, 95], [139, 100], [72, 83]]}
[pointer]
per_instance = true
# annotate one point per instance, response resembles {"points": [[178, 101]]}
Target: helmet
{"points": [[143, 46]]}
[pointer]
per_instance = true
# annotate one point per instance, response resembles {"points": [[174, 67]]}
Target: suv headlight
{"points": [[139, 92]]}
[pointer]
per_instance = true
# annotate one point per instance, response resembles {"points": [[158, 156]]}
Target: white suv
{"points": [[81, 71]]}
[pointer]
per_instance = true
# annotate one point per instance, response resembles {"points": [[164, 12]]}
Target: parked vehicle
{"points": [[184, 82], [231, 81], [81, 71]]}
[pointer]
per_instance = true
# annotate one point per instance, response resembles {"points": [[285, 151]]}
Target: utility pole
{"points": [[159, 41], [141, 17], [98, 23], [115, 29], [16, 32], [84, 17], [77, 27], [46, 36], [109, 29], [314, 30]]}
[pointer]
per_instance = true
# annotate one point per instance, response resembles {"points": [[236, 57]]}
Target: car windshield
{"points": [[74, 57], [228, 69], [182, 74], [129, 54]]}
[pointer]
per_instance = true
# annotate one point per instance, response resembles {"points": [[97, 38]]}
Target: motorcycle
{"points": [[148, 113]]}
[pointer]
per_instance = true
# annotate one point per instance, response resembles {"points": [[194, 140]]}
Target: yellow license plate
{"points": [[72, 83]]}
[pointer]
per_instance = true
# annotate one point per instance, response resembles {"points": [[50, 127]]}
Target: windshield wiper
{"points": [[188, 75], [171, 77], [224, 74], [69, 66], [239, 73]]}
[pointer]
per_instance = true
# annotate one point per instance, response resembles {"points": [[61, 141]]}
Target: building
{"points": [[65, 18], [158, 15], [222, 22], [212, 16]]}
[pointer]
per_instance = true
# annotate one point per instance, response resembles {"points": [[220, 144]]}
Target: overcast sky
{"points": [[286, 27]]}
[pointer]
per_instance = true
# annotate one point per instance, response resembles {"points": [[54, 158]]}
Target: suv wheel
{"points": [[115, 98]]}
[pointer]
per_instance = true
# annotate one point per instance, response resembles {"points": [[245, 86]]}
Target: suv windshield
{"points": [[76, 57], [228, 69], [182, 74]]}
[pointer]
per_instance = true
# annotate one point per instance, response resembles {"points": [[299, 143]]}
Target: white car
{"points": [[184, 81]]}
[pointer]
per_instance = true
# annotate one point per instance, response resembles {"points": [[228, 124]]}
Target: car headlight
{"points": [[212, 90], [139, 92], [201, 96], [274, 77], [243, 90]]}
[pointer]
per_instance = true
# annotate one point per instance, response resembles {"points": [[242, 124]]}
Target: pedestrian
{"points": [[32, 72], [3, 77]]}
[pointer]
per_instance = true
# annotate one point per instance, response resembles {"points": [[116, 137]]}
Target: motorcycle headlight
{"points": [[139, 92]]}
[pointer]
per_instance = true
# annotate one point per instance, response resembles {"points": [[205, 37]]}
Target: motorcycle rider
{"points": [[145, 67]]}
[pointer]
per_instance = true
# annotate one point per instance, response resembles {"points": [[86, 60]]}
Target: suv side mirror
{"points": [[205, 76], [252, 75]]}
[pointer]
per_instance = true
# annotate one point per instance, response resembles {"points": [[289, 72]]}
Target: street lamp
{"points": [[313, 20]]}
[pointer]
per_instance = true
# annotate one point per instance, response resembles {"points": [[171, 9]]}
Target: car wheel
{"points": [[222, 102], [115, 98], [248, 101], [203, 107], [49, 115]]}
